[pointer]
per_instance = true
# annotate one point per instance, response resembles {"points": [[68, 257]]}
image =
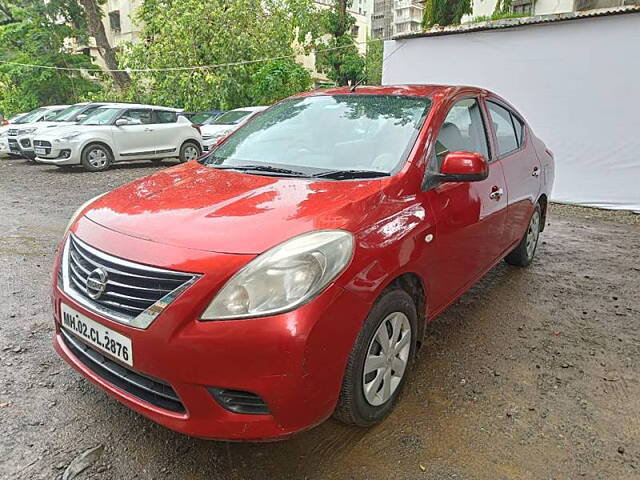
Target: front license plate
{"points": [[97, 335], [40, 151]]}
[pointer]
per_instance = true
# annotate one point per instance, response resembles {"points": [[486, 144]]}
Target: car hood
{"points": [[215, 129], [203, 208], [57, 129]]}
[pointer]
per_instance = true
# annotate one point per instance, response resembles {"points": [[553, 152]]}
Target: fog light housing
{"points": [[65, 153]]}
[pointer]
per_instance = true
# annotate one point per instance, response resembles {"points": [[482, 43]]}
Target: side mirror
{"points": [[463, 167], [81, 117], [121, 122]]}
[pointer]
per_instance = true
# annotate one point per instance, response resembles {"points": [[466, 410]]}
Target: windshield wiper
{"points": [[350, 174], [261, 168]]}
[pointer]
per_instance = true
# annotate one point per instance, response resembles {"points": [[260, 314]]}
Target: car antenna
{"points": [[357, 84]]}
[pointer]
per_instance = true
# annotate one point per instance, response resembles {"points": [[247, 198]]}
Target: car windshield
{"points": [[32, 116], [359, 134], [101, 116], [204, 118], [231, 118], [68, 114]]}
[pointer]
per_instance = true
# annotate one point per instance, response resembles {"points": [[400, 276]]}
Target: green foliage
{"points": [[279, 79], [373, 62], [192, 32], [31, 33], [496, 16], [337, 54], [444, 12], [503, 7]]}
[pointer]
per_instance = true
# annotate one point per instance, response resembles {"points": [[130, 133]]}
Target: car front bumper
{"points": [[57, 152], [293, 361]]}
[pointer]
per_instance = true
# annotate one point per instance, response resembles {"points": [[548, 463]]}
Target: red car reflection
{"points": [[288, 274]]}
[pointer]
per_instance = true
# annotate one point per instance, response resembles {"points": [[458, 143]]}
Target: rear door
{"points": [[521, 167], [165, 133], [470, 216], [135, 140]]}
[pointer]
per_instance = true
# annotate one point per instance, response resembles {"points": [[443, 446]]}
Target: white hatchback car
{"points": [[18, 144], [120, 133], [227, 123]]}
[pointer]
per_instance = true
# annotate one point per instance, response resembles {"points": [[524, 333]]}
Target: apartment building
{"points": [[485, 8], [396, 17]]}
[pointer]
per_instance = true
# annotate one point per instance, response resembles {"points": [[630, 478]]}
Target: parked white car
{"points": [[4, 132], [227, 123], [28, 124], [120, 133], [67, 116]]}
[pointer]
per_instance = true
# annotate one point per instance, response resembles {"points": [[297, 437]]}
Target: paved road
{"points": [[533, 374]]}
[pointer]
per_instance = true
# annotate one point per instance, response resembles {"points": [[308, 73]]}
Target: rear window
{"points": [[165, 116]]}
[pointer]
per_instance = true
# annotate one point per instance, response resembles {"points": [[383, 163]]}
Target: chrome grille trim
{"points": [[135, 298]]}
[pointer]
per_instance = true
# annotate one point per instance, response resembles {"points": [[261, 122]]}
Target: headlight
{"points": [[68, 136], [26, 131], [284, 277], [79, 210]]}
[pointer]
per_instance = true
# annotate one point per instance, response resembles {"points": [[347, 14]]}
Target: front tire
{"points": [[189, 151], [96, 158], [523, 254], [380, 361]]}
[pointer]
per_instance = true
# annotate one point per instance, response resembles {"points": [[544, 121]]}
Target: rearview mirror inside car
{"points": [[463, 167]]}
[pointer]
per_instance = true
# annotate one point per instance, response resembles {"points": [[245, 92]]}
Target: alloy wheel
{"points": [[190, 153], [97, 158], [386, 360], [533, 233]]}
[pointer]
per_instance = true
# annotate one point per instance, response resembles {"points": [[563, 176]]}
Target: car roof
{"points": [[250, 109], [140, 105], [55, 107], [413, 90]]}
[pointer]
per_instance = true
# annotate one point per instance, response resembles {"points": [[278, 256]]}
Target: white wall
{"points": [[577, 83]]}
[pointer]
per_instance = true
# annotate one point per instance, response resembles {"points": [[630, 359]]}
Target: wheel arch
{"points": [[97, 142], [413, 284], [543, 201]]}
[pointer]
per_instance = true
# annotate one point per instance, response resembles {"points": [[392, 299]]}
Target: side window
{"points": [[165, 116], [519, 126], [137, 116], [503, 125], [462, 130], [90, 110], [49, 115]]}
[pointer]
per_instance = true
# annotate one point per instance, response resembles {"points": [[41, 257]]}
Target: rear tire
{"points": [[367, 398], [96, 158], [189, 151], [523, 254]]}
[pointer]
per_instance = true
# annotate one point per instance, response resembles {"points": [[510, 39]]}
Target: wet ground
{"points": [[533, 374]]}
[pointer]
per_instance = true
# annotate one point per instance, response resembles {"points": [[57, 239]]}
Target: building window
{"points": [[354, 30], [114, 20], [522, 7]]}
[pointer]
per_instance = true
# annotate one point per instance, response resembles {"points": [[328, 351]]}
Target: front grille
{"points": [[148, 389], [13, 132], [43, 144], [13, 145], [238, 401], [133, 293]]}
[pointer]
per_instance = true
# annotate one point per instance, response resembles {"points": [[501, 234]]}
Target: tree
{"points": [[279, 79], [239, 34], [373, 62], [337, 54], [34, 32], [444, 12], [95, 26]]}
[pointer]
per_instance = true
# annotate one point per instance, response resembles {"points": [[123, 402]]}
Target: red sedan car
{"points": [[289, 273]]}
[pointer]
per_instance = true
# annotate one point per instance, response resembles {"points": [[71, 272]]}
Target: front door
{"points": [[521, 168], [136, 139], [470, 216]]}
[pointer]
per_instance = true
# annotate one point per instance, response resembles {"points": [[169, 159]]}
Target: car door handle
{"points": [[148, 129], [496, 193], [536, 172]]}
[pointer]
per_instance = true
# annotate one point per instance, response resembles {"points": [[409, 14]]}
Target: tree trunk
{"points": [[96, 29]]}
